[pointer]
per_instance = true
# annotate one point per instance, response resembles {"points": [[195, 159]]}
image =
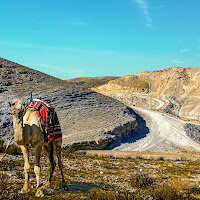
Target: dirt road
{"points": [[157, 132]]}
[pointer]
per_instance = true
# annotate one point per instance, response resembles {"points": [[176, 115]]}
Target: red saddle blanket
{"points": [[47, 119]]}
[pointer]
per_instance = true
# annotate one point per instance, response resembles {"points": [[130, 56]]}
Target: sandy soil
{"points": [[157, 132], [189, 155]]}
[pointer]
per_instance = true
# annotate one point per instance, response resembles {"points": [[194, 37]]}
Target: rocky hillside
{"points": [[173, 90], [88, 119], [92, 82]]}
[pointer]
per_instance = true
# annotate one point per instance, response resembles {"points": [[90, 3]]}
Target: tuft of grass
{"points": [[13, 149], [69, 151], [2, 183], [141, 180], [2, 148], [161, 158], [177, 189], [140, 157], [180, 185], [165, 192], [132, 82], [99, 194]]}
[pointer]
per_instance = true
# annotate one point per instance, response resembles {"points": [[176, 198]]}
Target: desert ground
{"points": [[108, 175]]}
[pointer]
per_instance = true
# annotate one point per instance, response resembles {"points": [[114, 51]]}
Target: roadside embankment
{"points": [[106, 138], [163, 134]]}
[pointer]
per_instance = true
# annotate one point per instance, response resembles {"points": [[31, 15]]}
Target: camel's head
{"points": [[17, 107]]}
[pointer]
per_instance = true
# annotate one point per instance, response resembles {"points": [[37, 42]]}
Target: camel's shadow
{"points": [[141, 131], [79, 187]]}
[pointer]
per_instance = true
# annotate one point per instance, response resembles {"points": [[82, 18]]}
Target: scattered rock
{"points": [[193, 131]]}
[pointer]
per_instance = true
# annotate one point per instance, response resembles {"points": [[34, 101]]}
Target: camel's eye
{"points": [[12, 104]]}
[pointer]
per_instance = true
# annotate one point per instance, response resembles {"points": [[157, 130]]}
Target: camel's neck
{"points": [[18, 129]]}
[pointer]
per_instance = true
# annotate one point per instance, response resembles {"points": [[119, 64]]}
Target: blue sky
{"points": [[90, 38]]}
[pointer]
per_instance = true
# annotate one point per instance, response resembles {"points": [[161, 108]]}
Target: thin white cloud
{"points": [[47, 66], [14, 44], [184, 50], [157, 7], [177, 61], [145, 9], [76, 73], [61, 72]]}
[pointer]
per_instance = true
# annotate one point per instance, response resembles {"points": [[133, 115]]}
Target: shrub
{"points": [[141, 180], [140, 157], [180, 185], [2, 148], [161, 158], [13, 149], [165, 192], [69, 151], [99, 194]]}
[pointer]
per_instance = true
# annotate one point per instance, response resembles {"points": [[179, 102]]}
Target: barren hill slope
{"points": [[173, 90], [92, 81], [88, 119]]}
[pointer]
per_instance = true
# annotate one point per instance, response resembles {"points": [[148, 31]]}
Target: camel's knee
{"points": [[26, 168], [37, 170]]}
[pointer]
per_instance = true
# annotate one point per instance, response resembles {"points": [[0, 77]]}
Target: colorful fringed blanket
{"points": [[47, 118]]}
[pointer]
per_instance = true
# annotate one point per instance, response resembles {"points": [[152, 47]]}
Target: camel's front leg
{"points": [[39, 192], [26, 169]]}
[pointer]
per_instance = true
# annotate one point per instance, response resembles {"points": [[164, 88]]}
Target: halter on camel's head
{"points": [[17, 107]]}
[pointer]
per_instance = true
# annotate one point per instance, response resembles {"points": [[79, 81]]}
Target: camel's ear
{"points": [[23, 102], [9, 104]]}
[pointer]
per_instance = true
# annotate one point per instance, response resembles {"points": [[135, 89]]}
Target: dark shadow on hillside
{"points": [[141, 132]]}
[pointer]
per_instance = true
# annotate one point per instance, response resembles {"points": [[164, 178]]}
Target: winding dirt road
{"points": [[157, 132]]}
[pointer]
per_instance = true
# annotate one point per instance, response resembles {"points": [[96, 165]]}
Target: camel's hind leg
{"points": [[26, 168], [57, 145], [37, 170], [50, 150]]}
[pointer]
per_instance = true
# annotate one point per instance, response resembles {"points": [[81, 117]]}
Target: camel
{"points": [[27, 132]]}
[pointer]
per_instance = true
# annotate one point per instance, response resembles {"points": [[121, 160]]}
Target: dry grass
{"points": [[106, 177], [13, 149], [141, 180], [109, 195], [131, 82], [92, 82]]}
